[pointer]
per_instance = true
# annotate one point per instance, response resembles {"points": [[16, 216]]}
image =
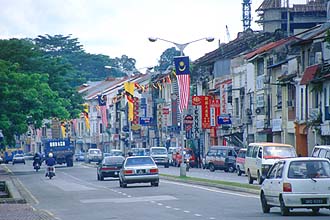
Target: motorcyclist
{"points": [[36, 159], [50, 162]]}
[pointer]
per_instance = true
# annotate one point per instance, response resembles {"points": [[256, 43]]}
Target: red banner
{"points": [[206, 100]]}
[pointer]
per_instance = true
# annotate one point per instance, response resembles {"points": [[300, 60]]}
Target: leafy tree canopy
{"points": [[166, 59]]}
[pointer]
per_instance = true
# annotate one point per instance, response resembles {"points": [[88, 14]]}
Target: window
{"points": [[279, 170], [322, 152], [272, 171], [249, 151], [279, 96], [316, 152], [260, 67], [255, 152]]}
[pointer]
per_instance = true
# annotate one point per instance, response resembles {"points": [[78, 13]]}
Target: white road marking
{"points": [[212, 189], [186, 211], [132, 199], [198, 215]]}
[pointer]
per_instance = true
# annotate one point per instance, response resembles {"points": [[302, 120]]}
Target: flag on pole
{"points": [[103, 107], [85, 112], [129, 91], [183, 76]]}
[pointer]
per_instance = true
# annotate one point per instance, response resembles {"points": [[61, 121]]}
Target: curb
{"points": [[210, 184], [12, 184]]}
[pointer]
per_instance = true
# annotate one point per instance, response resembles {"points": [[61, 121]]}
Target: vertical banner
{"points": [[102, 99], [214, 112], [129, 90], [206, 100], [136, 108], [174, 108]]}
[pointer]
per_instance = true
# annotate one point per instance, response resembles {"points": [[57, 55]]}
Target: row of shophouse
{"points": [[262, 86], [258, 87]]}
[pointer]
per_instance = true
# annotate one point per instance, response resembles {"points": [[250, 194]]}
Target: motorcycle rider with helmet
{"points": [[36, 159], [50, 162]]}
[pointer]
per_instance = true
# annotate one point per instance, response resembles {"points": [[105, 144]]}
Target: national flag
{"points": [[85, 112], [183, 76], [129, 91], [103, 107]]}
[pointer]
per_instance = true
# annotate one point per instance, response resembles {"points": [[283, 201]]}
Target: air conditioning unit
{"points": [[258, 111]]}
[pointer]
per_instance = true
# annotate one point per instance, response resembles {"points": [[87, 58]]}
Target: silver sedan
{"points": [[139, 169]]}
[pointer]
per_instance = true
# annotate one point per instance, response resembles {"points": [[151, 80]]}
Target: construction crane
{"points": [[246, 14]]}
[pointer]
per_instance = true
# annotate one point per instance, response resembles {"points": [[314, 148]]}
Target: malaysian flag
{"points": [[103, 107], [183, 76]]}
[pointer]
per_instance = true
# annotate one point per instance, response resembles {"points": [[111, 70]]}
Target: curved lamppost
{"points": [[181, 47]]}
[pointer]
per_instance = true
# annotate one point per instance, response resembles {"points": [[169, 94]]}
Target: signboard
{"points": [[145, 121], [188, 122], [224, 120]]}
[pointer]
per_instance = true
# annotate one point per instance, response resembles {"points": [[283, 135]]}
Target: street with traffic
{"points": [[76, 193]]}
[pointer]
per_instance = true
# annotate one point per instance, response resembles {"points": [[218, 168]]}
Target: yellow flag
{"points": [[85, 112], [129, 89]]}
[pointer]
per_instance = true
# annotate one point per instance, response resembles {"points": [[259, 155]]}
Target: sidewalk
{"points": [[17, 207]]}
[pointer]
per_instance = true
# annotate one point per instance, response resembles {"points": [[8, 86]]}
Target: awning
{"points": [[309, 74]]}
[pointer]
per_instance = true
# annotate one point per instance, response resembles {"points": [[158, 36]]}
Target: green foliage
{"points": [[166, 59], [24, 95]]}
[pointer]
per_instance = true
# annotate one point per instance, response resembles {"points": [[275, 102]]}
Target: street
{"points": [[74, 193]]}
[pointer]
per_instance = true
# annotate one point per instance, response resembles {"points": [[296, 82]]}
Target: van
{"points": [[221, 158], [321, 151], [261, 156], [240, 161], [160, 156]]}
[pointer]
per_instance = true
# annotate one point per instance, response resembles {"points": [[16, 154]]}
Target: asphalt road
{"points": [[76, 194]]}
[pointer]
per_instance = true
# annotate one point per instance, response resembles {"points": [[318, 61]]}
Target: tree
{"points": [[166, 59], [24, 95]]}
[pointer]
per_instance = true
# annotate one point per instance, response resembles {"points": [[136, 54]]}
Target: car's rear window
{"points": [[139, 161], [94, 151], [113, 160], [158, 151], [309, 169], [271, 152]]}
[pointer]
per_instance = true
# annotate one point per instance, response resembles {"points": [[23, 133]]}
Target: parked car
{"points": [[79, 157], [18, 158], [221, 158], [261, 156], [139, 169], [322, 151], [301, 182], [159, 155], [240, 161], [1, 159], [109, 167], [94, 155]]}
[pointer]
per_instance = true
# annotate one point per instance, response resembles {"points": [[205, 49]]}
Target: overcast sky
{"points": [[117, 27]]}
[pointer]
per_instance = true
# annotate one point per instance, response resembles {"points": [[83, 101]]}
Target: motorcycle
{"points": [[50, 172], [36, 166]]}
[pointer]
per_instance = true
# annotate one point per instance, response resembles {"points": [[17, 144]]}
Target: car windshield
{"points": [[116, 153], [158, 151], [272, 152], [133, 161], [309, 169], [138, 152], [94, 152], [113, 160]]}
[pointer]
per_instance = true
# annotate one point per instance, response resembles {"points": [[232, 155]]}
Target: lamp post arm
{"points": [[181, 47]]}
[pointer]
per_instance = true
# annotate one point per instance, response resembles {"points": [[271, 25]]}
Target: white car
{"points": [[301, 182]]}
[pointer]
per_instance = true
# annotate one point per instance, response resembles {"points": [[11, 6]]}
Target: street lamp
{"points": [[181, 47]]}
